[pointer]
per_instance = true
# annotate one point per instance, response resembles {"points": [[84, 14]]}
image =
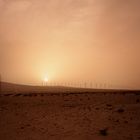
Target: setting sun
{"points": [[46, 79]]}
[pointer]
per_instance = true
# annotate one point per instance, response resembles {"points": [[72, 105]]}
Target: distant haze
{"points": [[70, 41]]}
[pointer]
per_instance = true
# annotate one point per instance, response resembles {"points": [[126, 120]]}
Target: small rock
{"points": [[104, 132], [120, 110]]}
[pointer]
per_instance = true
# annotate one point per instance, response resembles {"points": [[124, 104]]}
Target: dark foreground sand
{"points": [[84, 116]]}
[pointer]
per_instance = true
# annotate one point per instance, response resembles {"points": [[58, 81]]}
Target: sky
{"points": [[70, 41]]}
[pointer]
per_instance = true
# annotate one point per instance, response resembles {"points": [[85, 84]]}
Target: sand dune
{"points": [[10, 88], [15, 88]]}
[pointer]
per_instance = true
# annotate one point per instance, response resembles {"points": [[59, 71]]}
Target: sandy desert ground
{"points": [[88, 115]]}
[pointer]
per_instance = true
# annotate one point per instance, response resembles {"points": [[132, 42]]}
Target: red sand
{"points": [[70, 116]]}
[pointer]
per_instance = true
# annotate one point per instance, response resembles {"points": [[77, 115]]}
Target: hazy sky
{"points": [[70, 40]]}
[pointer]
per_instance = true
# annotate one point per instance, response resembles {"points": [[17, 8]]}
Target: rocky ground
{"points": [[70, 116]]}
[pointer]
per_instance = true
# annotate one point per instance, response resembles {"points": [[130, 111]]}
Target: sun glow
{"points": [[46, 79]]}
